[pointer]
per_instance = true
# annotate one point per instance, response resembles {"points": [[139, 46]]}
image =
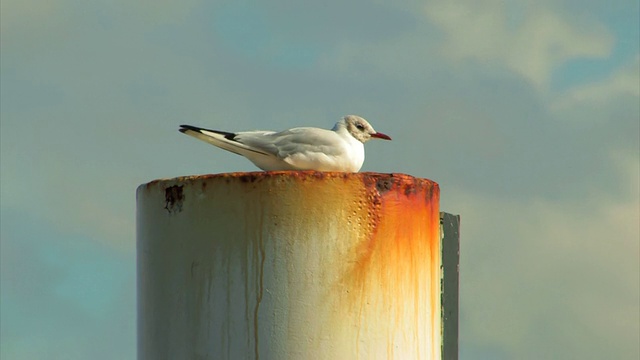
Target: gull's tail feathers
{"points": [[222, 139]]}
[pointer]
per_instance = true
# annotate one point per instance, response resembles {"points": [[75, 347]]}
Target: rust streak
{"points": [[259, 297]]}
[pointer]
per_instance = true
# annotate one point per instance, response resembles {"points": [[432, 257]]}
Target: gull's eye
{"points": [[360, 127]]}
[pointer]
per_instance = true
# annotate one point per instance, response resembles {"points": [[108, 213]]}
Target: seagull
{"points": [[303, 148]]}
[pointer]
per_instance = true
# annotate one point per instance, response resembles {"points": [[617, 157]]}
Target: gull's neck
{"points": [[341, 127]]}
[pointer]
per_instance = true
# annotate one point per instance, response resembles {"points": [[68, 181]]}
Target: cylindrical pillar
{"points": [[289, 265]]}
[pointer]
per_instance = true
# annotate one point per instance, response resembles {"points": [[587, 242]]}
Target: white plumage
{"points": [[303, 148]]}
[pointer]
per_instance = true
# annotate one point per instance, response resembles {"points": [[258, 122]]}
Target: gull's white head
{"points": [[360, 129]]}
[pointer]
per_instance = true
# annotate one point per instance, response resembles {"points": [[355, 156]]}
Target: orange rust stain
{"points": [[393, 266], [405, 234]]}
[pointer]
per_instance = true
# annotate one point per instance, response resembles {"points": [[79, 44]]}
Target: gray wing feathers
{"points": [[278, 144], [289, 142]]}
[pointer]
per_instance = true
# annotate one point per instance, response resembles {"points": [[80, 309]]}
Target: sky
{"points": [[527, 113]]}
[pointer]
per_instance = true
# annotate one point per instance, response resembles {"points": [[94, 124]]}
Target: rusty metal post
{"points": [[289, 265]]}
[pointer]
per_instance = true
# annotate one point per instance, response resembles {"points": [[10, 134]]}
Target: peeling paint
{"points": [[173, 199]]}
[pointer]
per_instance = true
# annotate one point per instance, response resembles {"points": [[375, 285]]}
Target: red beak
{"points": [[380, 135]]}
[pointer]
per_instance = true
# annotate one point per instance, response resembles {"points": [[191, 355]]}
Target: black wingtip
{"points": [[184, 128], [227, 135]]}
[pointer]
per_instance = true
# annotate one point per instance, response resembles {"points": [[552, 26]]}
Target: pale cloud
{"points": [[625, 214], [530, 39], [625, 82], [155, 12], [33, 13], [27, 25], [564, 274], [41, 14], [404, 57]]}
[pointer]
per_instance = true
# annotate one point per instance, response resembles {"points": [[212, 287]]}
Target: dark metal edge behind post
{"points": [[450, 252]]}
